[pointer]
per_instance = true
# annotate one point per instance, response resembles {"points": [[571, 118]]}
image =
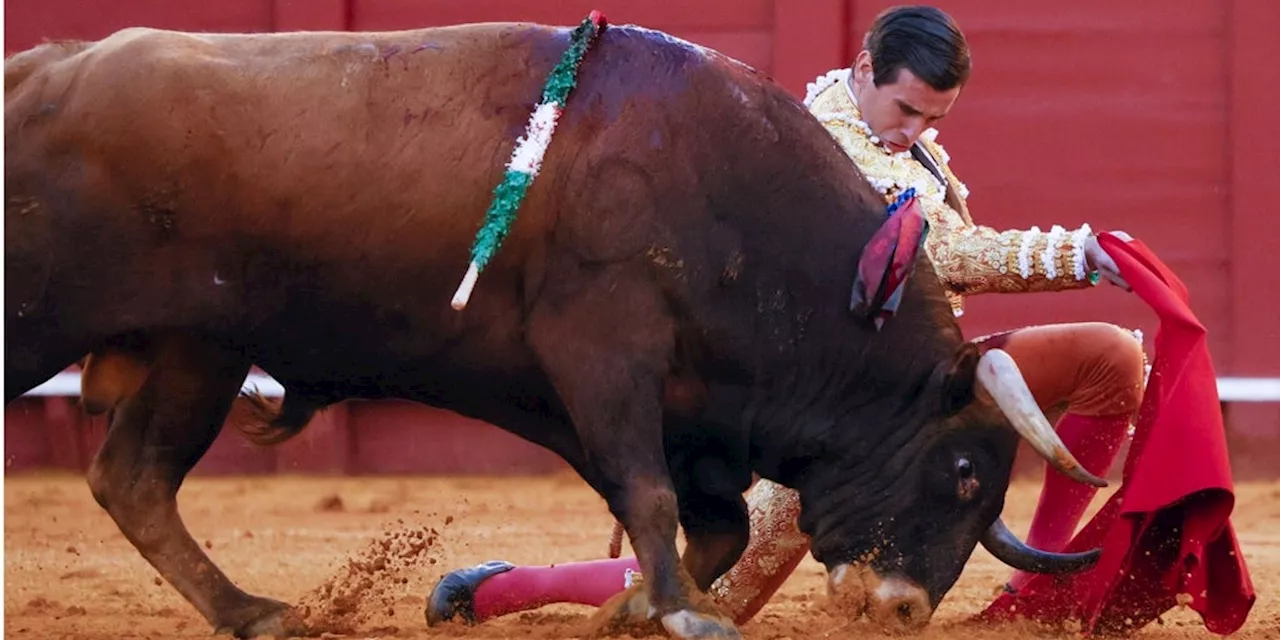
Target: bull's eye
{"points": [[968, 486]]}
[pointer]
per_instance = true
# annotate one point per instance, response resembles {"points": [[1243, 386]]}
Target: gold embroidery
{"points": [[970, 258], [776, 546]]}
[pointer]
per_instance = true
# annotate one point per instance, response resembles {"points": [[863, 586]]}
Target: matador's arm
{"points": [[975, 259]]}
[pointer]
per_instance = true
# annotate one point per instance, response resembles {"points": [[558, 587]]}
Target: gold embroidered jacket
{"points": [[969, 258]]}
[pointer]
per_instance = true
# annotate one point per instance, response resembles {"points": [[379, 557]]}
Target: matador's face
{"points": [[898, 112]]}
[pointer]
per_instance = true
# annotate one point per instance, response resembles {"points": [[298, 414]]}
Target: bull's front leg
{"points": [[712, 510], [156, 436], [645, 502], [607, 361], [723, 554]]}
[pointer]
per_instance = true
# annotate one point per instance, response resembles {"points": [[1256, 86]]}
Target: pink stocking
{"points": [[523, 588], [1095, 441]]}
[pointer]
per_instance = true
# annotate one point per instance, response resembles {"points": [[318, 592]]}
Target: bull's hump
{"points": [[153, 40], [667, 39]]}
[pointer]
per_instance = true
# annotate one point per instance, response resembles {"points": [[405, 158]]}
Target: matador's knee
{"points": [[1112, 371]]}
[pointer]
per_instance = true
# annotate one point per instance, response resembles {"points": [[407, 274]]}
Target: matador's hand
{"points": [[1099, 261]]}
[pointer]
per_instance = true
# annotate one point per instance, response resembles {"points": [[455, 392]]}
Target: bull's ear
{"points": [[958, 377]]}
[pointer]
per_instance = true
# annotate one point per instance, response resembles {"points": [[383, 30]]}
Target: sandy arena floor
{"points": [[70, 574]]}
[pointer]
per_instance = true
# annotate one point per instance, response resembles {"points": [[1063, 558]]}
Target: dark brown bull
{"points": [[669, 313]]}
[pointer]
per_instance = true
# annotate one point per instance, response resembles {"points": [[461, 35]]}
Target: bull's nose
{"points": [[899, 605], [846, 591]]}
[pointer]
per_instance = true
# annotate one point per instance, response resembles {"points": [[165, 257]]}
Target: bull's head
{"points": [[895, 546]]}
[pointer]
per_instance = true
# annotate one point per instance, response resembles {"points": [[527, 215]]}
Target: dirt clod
{"points": [[331, 503], [368, 585]]}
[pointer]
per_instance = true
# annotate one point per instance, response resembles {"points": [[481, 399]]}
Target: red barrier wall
{"points": [[1155, 120]]}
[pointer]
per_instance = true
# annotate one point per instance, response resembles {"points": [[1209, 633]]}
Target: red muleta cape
{"points": [[1165, 534]]}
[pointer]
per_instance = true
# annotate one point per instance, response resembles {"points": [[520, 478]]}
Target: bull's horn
{"points": [[999, 374], [1007, 548]]}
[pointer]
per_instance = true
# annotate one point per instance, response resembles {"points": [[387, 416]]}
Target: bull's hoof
{"points": [[626, 613], [267, 618], [689, 624], [455, 594], [630, 613]]}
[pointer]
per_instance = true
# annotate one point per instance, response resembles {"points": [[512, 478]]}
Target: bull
{"points": [[669, 314]]}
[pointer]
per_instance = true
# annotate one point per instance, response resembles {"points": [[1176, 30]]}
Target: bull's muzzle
{"points": [[893, 602]]}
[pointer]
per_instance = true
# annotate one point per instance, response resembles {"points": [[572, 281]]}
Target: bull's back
{"points": [[307, 137], [218, 176], [178, 179], [307, 107], [334, 141]]}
